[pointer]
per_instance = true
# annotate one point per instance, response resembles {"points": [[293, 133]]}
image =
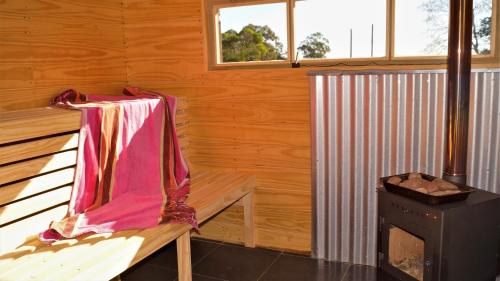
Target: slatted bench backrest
{"points": [[38, 149]]}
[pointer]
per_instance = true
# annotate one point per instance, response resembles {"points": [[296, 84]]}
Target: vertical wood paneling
{"points": [[378, 134]]}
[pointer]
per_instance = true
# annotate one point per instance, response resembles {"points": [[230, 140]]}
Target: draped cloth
{"points": [[130, 172]]}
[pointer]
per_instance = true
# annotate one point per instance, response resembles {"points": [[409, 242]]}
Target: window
{"points": [[339, 29], [253, 33], [421, 27], [249, 32]]}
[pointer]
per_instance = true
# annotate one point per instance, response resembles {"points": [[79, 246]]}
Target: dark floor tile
{"points": [[167, 256], [236, 263], [366, 273], [302, 268], [144, 271], [198, 277]]}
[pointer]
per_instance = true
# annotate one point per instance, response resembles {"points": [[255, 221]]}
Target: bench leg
{"points": [[248, 212], [184, 257]]}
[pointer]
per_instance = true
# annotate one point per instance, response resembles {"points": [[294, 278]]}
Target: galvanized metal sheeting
{"points": [[370, 125]]}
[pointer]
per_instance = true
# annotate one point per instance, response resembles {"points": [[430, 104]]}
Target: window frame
{"points": [[214, 52]]}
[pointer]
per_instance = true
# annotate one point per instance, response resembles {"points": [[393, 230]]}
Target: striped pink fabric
{"points": [[130, 173]]}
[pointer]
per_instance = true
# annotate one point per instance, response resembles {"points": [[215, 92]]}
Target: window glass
{"points": [[421, 27], [340, 29], [253, 33], [481, 29]]}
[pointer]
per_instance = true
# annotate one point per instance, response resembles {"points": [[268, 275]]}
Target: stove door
{"points": [[406, 254]]}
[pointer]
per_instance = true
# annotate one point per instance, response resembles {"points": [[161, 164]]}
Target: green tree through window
{"points": [[315, 46], [260, 43], [252, 43]]}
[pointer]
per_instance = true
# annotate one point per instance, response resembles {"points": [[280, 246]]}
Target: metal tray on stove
{"points": [[465, 191]]}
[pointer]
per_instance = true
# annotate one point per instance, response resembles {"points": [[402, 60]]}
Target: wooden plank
{"points": [[226, 226], [184, 257], [16, 234], [25, 169], [16, 152], [160, 39], [32, 123], [35, 185], [32, 205], [254, 112]]}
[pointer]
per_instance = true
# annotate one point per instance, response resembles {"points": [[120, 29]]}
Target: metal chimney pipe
{"points": [[458, 86]]}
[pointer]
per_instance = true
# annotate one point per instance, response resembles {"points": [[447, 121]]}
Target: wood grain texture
{"points": [[30, 168], [227, 226], [25, 150], [48, 43], [184, 257], [36, 185], [32, 123], [251, 121], [249, 214], [34, 204], [74, 259], [15, 234]]}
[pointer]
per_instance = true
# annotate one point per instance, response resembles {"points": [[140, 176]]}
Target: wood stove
{"points": [[454, 241]]}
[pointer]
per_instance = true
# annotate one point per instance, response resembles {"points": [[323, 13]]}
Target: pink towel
{"points": [[130, 172]]}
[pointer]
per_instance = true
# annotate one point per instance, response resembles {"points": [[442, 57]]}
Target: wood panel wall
{"points": [[251, 121], [254, 121], [47, 46]]}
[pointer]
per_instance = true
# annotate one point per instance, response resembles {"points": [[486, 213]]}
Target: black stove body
{"points": [[450, 242]]}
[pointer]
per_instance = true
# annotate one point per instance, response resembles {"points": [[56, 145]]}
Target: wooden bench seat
{"points": [[36, 175], [107, 255]]}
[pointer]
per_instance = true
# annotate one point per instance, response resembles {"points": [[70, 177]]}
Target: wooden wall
{"points": [[250, 121], [47, 46], [254, 121]]}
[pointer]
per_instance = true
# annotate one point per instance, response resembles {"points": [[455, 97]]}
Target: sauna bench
{"points": [[37, 161]]}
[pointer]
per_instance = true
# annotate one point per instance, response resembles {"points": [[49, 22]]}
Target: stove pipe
{"points": [[458, 86]]}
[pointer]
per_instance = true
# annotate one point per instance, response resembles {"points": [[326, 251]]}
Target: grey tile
{"points": [[366, 273], [236, 263], [144, 271], [167, 256], [301, 268]]}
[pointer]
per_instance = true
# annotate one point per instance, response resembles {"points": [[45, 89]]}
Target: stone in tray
{"points": [[437, 187]]}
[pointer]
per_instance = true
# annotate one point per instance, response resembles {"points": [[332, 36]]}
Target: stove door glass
{"points": [[406, 252]]}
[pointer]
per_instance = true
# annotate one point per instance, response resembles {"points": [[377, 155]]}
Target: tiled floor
{"points": [[219, 261]]}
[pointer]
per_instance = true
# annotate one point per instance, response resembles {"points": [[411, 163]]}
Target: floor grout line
{"points": [[206, 255], [346, 271], [269, 267], [210, 277]]}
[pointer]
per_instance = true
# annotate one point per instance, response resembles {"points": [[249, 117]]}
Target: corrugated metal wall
{"points": [[369, 125]]}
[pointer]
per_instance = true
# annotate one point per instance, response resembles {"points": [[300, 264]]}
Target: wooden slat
{"points": [[35, 185], [33, 123], [75, 259], [32, 205], [15, 234], [21, 151], [25, 169]]}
